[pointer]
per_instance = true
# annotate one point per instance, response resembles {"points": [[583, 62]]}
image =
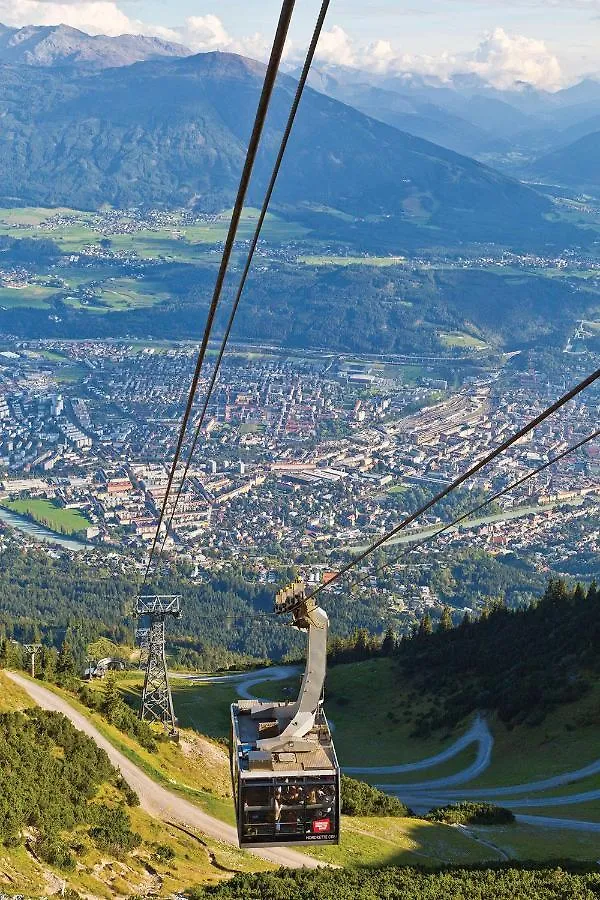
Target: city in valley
{"points": [[301, 454]]}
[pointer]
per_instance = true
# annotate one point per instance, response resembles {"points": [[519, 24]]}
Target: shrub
{"points": [[163, 853], [55, 852], [112, 829], [361, 799], [471, 814]]}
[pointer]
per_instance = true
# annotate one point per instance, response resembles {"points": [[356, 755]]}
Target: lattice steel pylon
{"points": [[142, 639], [157, 703]]}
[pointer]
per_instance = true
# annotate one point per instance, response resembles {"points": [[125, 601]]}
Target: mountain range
{"points": [[575, 165], [468, 115], [463, 113], [59, 45], [173, 132]]}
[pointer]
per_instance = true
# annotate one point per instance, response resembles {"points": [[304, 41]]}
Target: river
{"points": [[39, 533]]}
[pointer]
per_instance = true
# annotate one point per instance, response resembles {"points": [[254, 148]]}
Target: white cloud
{"points": [[93, 16], [504, 60], [336, 48]]}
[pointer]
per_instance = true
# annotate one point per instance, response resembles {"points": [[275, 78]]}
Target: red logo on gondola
{"points": [[321, 826]]}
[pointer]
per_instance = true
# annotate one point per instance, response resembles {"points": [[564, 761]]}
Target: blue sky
{"points": [[417, 26], [546, 42]]}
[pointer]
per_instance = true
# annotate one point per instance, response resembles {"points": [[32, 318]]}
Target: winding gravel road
{"points": [[243, 681], [566, 824], [154, 799], [478, 733], [422, 796], [532, 787]]}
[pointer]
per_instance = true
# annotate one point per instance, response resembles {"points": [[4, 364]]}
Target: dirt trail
{"points": [[155, 799]]}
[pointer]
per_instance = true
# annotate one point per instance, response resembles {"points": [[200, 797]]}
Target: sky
{"points": [[547, 43]]}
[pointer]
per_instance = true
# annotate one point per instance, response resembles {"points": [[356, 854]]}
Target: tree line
{"points": [[521, 663]]}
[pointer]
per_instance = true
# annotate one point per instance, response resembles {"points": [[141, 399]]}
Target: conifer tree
{"points": [[65, 664], [426, 626], [446, 623], [388, 645]]}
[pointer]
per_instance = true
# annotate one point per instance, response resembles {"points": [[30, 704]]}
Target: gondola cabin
{"points": [[285, 774], [283, 797]]}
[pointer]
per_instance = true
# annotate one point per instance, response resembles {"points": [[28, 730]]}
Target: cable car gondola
{"points": [[285, 774]]}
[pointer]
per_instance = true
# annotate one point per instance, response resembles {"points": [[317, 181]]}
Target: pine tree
{"points": [[388, 645], [556, 592], [112, 699], [425, 626], [65, 664], [48, 663], [446, 623], [361, 646]]}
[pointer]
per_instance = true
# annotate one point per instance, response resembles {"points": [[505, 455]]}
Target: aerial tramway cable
{"points": [[471, 512], [435, 534], [253, 146], [505, 445], [261, 219]]}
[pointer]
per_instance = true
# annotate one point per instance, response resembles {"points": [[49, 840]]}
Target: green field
{"points": [[34, 295], [397, 489], [462, 340], [63, 521], [376, 261], [402, 842], [180, 242]]}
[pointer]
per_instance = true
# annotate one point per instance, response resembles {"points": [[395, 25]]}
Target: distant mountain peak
{"points": [[63, 45]]}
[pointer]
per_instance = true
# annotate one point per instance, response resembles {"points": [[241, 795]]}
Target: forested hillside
{"points": [[173, 132], [395, 309], [223, 621], [409, 884], [521, 663]]}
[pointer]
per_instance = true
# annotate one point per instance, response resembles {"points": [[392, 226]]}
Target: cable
{"points": [[549, 411], [253, 146], [261, 219], [476, 509]]}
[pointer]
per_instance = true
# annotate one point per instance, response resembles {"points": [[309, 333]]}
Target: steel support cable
{"points": [[253, 146], [505, 445], [430, 537], [476, 509], [254, 243]]}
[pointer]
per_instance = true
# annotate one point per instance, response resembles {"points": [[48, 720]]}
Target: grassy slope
{"points": [[363, 738], [561, 744], [364, 842], [12, 697], [201, 774], [197, 859]]}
